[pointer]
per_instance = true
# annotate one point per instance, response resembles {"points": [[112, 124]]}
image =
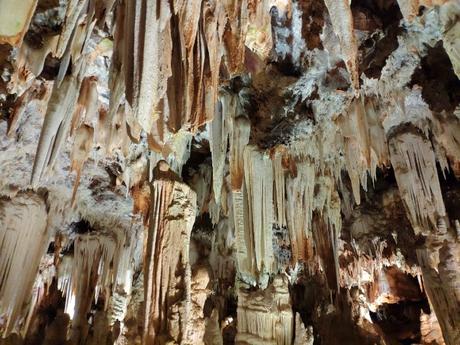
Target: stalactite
{"points": [[180, 151], [379, 155], [36, 92], [342, 21], [24, 238], [150, 81], [239, 138], [15, 19], [222, 258], [258, 171], [87, 104], [141, 200], [203, 187], [29, 65], [92, 270], [73, 11], [82, 287], [325, 240], [414, 163], [259, 35], [334, 222], [280, 188], [80, 152], [452, 46], [174, 42], [355, 130], [219, 141], [63, 100], [235, 36], [299, 208], [118, 138], [447, 137], [59, 112], [167, 243]]}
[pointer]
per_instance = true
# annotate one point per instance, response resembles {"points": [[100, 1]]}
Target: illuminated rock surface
{"points": [[216, 172]]}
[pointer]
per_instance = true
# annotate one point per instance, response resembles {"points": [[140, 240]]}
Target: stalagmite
{"points": [[431, 332], [195, 329], [303, 336], [265, 316], [212, 334]]}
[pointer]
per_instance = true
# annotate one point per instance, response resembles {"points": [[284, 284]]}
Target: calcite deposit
{"points": [[215, 172]]}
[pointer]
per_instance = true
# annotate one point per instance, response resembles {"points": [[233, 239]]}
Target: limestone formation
{"points": [[218, 172]]}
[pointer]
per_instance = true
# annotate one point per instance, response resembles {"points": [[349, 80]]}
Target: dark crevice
{"points": [[440, 85], [380, 19]]}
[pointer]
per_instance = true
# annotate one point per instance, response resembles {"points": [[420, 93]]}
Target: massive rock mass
{"points": [[253, 172]]}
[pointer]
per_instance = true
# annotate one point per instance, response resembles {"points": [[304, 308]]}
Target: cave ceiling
{"points": [[252, 172]]}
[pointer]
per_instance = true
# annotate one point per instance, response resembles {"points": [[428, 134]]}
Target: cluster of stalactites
{"points": [[266, 188], [400, 138], [181, 46], [24, 238], [101, 262], [298, 179], [94, 268], [168, 57]]}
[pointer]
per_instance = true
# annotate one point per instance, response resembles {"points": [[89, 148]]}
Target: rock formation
{"points": [[222, 172]]}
